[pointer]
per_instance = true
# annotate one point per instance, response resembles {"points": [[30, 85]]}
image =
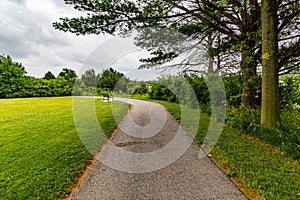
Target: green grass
{"points": [[260, 169], [286, 138], [41, 154]]}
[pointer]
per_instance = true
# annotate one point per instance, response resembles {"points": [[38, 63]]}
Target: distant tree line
{"points": [[104, 83], [15, 84], [49, 85]]}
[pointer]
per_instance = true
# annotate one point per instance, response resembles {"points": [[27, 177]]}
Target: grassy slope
{"points": [[260, 169], [41, 154]]}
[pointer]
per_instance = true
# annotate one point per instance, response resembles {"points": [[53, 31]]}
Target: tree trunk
{"points": [[210, 42], [249, 72], [270, 109]]}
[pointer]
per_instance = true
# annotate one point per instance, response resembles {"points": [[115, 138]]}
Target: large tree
{"points": [[112, 80], [239, 22], [12, 78], [68, 74], [90, 78], [49, 75], [270, 76]]}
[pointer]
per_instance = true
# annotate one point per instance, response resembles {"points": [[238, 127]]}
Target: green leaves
{"points": [[109, 78], [222, 3], [68, 74], [160, 57], [12, 78], [49, 76]]}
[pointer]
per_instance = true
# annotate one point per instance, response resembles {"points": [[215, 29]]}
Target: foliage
{"points": [[286, 138], [196, 19], [160, 92], [90, 78], [237, 32], [14, 83], [200, 88], [175, 89], [244, 120], [112, 80], [12, 78], [233, 89], [41, 154], [68, 74], [143, 89], [186, 90], [248, 121], [132, 86], [289, 89], [80, 89], [49, 76], [47, 88], [289, 133], [290, 92], [104, 91]]}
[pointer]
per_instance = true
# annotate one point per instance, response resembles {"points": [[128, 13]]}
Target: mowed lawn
{"points": [[41, 154]]}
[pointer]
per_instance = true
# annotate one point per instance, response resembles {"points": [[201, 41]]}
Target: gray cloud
{"points": [[28, 37]]}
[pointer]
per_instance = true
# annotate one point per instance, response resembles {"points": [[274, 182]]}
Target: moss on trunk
{"points": [[270, 109]]}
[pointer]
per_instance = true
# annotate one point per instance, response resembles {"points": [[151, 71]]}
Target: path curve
{"points": [[187, 177]]}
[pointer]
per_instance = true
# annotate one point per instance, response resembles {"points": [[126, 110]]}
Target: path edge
{"points": [[89, 166]]}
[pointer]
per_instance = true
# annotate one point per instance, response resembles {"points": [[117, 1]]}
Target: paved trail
{"points": [[188, 177]]}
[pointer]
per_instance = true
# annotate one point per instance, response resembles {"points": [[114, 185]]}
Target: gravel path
{"points": [[145, 161]]}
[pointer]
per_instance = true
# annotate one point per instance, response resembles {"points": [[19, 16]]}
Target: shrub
{"points": [[234, 88], [245, 120], [286, 138], [143, 89], [289, 91]]}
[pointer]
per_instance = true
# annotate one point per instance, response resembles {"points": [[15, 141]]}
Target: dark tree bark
{"points": [[249, 72]]}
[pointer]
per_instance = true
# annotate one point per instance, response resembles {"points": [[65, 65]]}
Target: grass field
{"points": [[262, 170], [41, 154]]}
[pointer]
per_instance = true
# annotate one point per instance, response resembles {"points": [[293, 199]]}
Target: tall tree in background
{"points": [[110, 79], [68, 74], [12, 78], [270, 113], [90, 78], [49, 76]]}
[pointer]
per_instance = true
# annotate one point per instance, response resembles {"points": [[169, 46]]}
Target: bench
{"points": [[106, 96]]}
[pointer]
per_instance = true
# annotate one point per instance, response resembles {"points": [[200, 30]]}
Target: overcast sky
{"points": [[28, 37]]}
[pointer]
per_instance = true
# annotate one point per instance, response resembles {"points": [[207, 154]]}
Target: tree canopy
{"points": [[12, 78], [111, 80], [238, 24], [239, 21], [68, 74], [49, 76], [90, 78]]}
